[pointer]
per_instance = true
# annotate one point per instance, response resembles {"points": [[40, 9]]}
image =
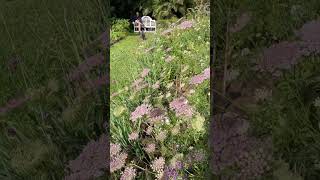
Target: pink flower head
{"points": [[117, 162], [150, 148], [133, 136], [145, 72], [158, 165], [92, 161], [140, 111], [181, 107], [198, 79], [206, 73], [114, 149], [128, 174], [186, 25]]}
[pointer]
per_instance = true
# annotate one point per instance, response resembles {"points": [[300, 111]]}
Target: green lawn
{"points": [[124, 60]]}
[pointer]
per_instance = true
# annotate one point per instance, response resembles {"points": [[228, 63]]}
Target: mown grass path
{"points": [[124, 65]]}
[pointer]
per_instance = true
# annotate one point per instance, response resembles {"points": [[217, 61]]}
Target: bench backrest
{"points": [[148, 22], [149, 25]]}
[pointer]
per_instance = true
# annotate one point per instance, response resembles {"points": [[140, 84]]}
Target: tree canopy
{"points": [[155, 8]]}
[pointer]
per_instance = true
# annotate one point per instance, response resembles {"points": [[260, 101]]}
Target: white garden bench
{"points": [[149, 25]]}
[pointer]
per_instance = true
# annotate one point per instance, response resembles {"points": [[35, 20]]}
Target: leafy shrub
{"points": [[119, 29], [120, 25]]}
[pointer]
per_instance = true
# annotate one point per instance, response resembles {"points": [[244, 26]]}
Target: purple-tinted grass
{"points": [[310, 31], [285, 55], [94, 84], [14, 103], [232, 146], [86, 66]]}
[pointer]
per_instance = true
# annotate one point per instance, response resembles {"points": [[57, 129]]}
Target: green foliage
{"points": [[165, 9], [120, 25], [119, 29]]}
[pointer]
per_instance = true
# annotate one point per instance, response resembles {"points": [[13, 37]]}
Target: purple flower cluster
{"points": [[181, 107], [285, 54], [128, 174], [280, 56], [170, 173], [232, 147], [310, 31], [198, 79], [140, 111], [92, 162]]}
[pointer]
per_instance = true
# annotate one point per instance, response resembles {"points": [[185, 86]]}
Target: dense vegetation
{"points": [[160, 103], [266, 69], [46, 119], [156, 8]]}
